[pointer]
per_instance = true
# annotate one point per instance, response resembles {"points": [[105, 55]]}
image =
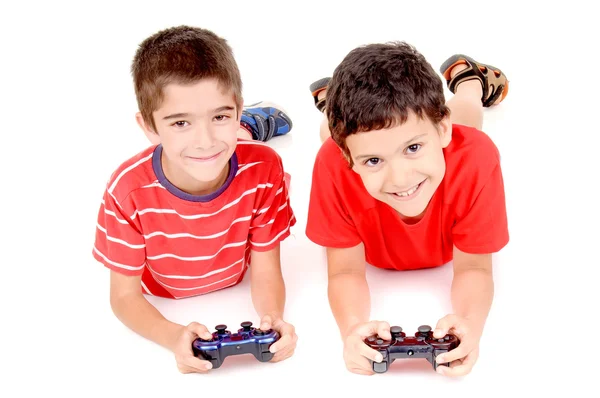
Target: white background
{"points": [[67, 120]]}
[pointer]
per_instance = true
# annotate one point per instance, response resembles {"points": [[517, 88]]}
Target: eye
{"points": [[221, 118], [372, 162], [180, 123], [414, 148]]}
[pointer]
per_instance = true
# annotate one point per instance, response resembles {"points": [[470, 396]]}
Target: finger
{"points": [[383, 330], [463, 366], [186, 369], [281, 343], [196, 363], [361, 366], [360, 371], [459, 352], [283, 354], [444, 325], [457, 368], [367, 352], [266, 322], [200, 330], [287, 347]]}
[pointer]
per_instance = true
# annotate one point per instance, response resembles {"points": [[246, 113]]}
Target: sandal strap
{"points": [[497, 93], [493, 86], [472, 72]]}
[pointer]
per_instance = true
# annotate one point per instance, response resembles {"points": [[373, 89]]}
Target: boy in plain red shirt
{"points": [[407, 181]]}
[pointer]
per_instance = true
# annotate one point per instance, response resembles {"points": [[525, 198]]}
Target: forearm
{"points": [[349, 299], [472, 294], [268, 295], [135, 312]]}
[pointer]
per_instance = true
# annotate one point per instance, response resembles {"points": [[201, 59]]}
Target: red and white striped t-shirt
{"points": [[185, 245]]}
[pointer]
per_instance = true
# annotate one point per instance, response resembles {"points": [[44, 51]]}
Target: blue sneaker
{"points": [[266, 120]]}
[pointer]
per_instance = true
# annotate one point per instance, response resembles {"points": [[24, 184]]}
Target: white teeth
{"points": [[409, 192]]}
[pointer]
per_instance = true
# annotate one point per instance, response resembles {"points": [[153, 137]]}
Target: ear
{"points": [[150, 134], [445, 130], [239, 109]]}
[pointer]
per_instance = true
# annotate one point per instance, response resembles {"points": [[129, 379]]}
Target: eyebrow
{"points": [[185, 115], [415, 138], [176, 116]]}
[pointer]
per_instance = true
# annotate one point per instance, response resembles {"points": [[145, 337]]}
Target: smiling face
{"points": [[197, 126], [402, 165]]}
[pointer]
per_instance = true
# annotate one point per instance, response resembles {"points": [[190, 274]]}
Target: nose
{"points": [[400, 174], [203, 138]]}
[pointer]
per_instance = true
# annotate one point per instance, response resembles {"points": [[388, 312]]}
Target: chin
{"points": [[409, 213]]}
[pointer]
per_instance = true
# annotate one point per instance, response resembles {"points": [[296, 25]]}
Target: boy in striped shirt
{"points": [[188, 214]]}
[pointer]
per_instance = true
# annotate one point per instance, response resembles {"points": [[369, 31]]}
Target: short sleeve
{"points": [[484, 228], [274, 216], [119, 245], [329, 223]]}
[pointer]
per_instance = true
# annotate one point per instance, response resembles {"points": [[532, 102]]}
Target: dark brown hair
{"points": [[182, 55], [377, 85]]}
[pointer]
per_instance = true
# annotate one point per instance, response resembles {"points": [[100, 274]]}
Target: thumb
{"points": [[444, 325], [382, 329], [199, 330], [266, 322]]}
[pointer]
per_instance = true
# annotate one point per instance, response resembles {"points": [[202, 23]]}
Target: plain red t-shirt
{"points": [[467, 210]]}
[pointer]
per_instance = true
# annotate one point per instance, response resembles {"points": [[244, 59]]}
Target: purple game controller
{"points": [[247, 340], [421, 345]]}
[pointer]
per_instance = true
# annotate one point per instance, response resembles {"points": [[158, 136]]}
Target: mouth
{"points": [[408, 194], [204, 158]]}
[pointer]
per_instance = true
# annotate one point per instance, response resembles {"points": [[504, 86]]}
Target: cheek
{"points": [[432, 165], [229, 135], [373, 182]]}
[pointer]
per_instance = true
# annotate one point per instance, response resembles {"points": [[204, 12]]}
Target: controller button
{"points": [[424, 329], [410, 353], [379, 367], [371, 339], [441, 340], [379, 341], [246, 325], [259, 332], [395, 330], [221, 329]]}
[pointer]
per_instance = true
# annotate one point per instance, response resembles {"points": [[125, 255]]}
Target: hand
{"points": [[357, 353], [285, 346], [186, 361], [463, 357]]}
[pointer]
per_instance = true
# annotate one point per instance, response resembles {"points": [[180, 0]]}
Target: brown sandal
{"points": [[493, 81], [316, 88]]}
